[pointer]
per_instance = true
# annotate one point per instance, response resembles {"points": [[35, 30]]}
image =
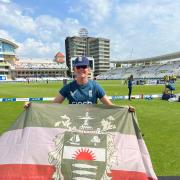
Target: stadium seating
{"points": [[143, 72], [24, 65]]}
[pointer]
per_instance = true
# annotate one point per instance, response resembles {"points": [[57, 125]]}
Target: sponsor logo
{"points": [[88, 102], [36, 99], [73, 93], [8, 99]]}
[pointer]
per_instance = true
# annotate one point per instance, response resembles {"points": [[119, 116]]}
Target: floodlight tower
{"points": [[83, 33]]}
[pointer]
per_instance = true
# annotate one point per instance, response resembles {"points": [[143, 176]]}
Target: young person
{"points": [[82, 90], [130, 79]]}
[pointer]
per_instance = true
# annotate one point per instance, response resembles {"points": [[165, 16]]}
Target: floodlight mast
{"points": [[83, 33]]}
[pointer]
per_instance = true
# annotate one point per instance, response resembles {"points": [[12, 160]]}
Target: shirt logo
{"points": [[73, 93], [90, 93], [88, 102]]}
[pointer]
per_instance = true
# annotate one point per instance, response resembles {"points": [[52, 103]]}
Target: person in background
{"points": [[130, 79], [170, 86], [64, 82], [125, 81]]}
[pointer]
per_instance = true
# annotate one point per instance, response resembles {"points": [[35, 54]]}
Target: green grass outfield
{"points": [[159, 120]]}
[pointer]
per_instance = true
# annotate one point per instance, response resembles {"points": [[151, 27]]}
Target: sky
{"points": [[136, 28]]}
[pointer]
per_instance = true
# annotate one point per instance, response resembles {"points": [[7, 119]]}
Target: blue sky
{"points": [[136, 28]]}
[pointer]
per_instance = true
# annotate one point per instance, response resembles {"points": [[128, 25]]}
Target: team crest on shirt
{"points": [[90, 93]]}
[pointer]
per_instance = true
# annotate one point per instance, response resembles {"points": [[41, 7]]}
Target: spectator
{"points": [[125, 81], [130, 79], [169, 86], [166, 95], [64, 82]]}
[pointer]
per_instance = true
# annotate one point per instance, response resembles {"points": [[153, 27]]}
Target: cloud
{"points": [[96, 11], [136, 29], [50, 28], [32, 48], [13, 17], [149, 27], [41, 36], [5, 1], [5, 35]]}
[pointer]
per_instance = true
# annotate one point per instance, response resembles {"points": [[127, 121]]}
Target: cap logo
{"points": [[80, 59]]}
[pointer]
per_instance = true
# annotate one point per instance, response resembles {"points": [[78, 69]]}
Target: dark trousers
{"points": [[129, 94]]}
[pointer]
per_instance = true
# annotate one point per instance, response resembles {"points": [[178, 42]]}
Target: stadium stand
{"points": [[155, 71], [32, 71], [29, 65]]}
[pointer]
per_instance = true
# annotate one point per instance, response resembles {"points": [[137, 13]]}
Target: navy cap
{"points": [[81, 61]]}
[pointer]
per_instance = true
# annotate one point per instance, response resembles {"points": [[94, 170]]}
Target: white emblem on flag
{"points": [[75, 139], [86, 119], [86, 166], [95, 140], [66, 121], [84, 153], [69, 148]]}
